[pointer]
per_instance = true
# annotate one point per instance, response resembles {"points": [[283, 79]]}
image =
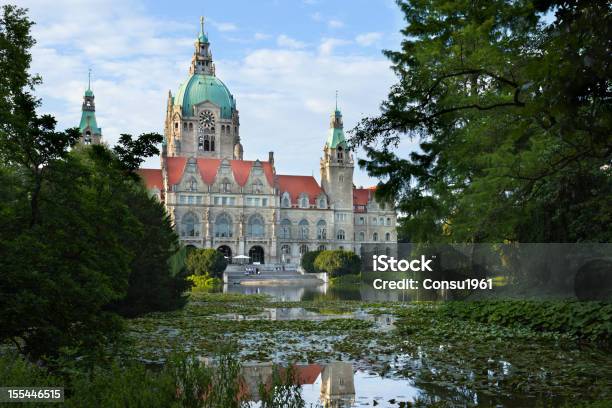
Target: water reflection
{"points": [[363, 292]]}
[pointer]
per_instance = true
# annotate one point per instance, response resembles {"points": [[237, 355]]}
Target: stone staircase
{"points": [[270, 275]]}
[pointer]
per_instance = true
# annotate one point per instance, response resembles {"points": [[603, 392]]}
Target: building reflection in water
{"points": [[336, 381]]}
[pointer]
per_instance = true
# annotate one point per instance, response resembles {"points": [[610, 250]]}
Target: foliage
{"points": [[338, 262], [204, 281], [308, 260], [586, 320], [131, 153], [283, 390], [207, 262], [80, 241], [513, 118]]}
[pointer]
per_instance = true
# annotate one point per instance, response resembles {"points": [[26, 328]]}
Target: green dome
{"points": [[200, 88]]}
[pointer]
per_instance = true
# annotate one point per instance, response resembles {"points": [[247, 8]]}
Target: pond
{"points": [[323, 291], [377, 352]]}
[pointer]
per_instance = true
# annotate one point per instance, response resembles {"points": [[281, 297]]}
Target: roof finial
{"points": [[202, 24], [336, 99], [89, 80]]}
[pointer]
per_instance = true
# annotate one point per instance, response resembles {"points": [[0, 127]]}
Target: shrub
{"points": [[308, 260], [208, 262], [338, 262]]}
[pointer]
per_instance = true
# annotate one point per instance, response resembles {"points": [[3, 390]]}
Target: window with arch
{"points": [[340, 235], [322, 202], [321, 229], [303, 249], [341, 178], [388, 236], [304, 230], [304, 200], [223, 226], [374, 221], [257, 187], [388, 221], [285, 230], [381, 221], [184, 125], [226, 186], [375, 236], [362, 236], [285, 249], [255, 227], [285, 200], [191, 127], [340, 153], [192, 185], [189, 225]]}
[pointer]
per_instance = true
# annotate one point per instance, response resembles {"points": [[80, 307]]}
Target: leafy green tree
{"points": [[307, 261], [513, 118], [207, 262], [338, 262]]}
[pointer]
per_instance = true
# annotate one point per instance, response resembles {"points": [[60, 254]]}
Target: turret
{"points": [[90, 132], [202, 62], [337, 166]]}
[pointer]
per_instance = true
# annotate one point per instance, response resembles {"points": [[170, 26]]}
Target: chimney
{"points": [[271, 158]]}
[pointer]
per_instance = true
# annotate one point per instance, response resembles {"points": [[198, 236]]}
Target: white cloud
{"points": [[368, 38], [224, 26], [288, 42], [261, 36], [335, 24], [328, 44]]}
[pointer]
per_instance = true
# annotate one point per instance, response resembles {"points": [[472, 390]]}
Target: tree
{"points": [[338, 262], [307, 261], [206, 262], [513, 117]]}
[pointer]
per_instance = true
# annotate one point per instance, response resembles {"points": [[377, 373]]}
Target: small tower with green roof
{"points": [[337, 165], [90, 132]]}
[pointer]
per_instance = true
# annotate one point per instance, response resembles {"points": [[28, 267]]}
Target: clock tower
{"points": [[202, 119]]}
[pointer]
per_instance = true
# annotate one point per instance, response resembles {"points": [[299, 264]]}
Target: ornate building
{"points": [[244, 207]]}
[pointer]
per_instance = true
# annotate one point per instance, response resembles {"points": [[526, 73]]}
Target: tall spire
{"points": [[336, 99], [202, 62], [90, 132]]}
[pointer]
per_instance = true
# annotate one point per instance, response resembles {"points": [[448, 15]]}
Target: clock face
{"points": [[207, 120]]}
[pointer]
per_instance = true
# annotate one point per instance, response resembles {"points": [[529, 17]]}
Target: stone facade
{"points": [[219, 200]]}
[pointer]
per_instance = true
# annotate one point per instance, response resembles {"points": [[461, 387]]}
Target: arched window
{"points": [[191, 127], [340, 235], [257, 187], [388, 236], [200, 142], [381, 221], [388, 222], [223, 226], [362, 236], [285, 230], [321, 229], [340, 154], [303, 249], [321, 202], [375, 236], [285, 249], [303, 200], [192, 185], [255, 227], [222, 129], [226, 186], [206, 145], [285, 201], [212, 144], [189, 225], [304, 229]]}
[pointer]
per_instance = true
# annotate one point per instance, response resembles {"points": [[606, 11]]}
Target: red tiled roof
{"points": [[361, 196], [308, 374], [296, 185], [209, 167], [152, 178], [175, 167]]}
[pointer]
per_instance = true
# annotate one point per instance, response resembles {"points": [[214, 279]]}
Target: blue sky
{"points": [[282, 60]]}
